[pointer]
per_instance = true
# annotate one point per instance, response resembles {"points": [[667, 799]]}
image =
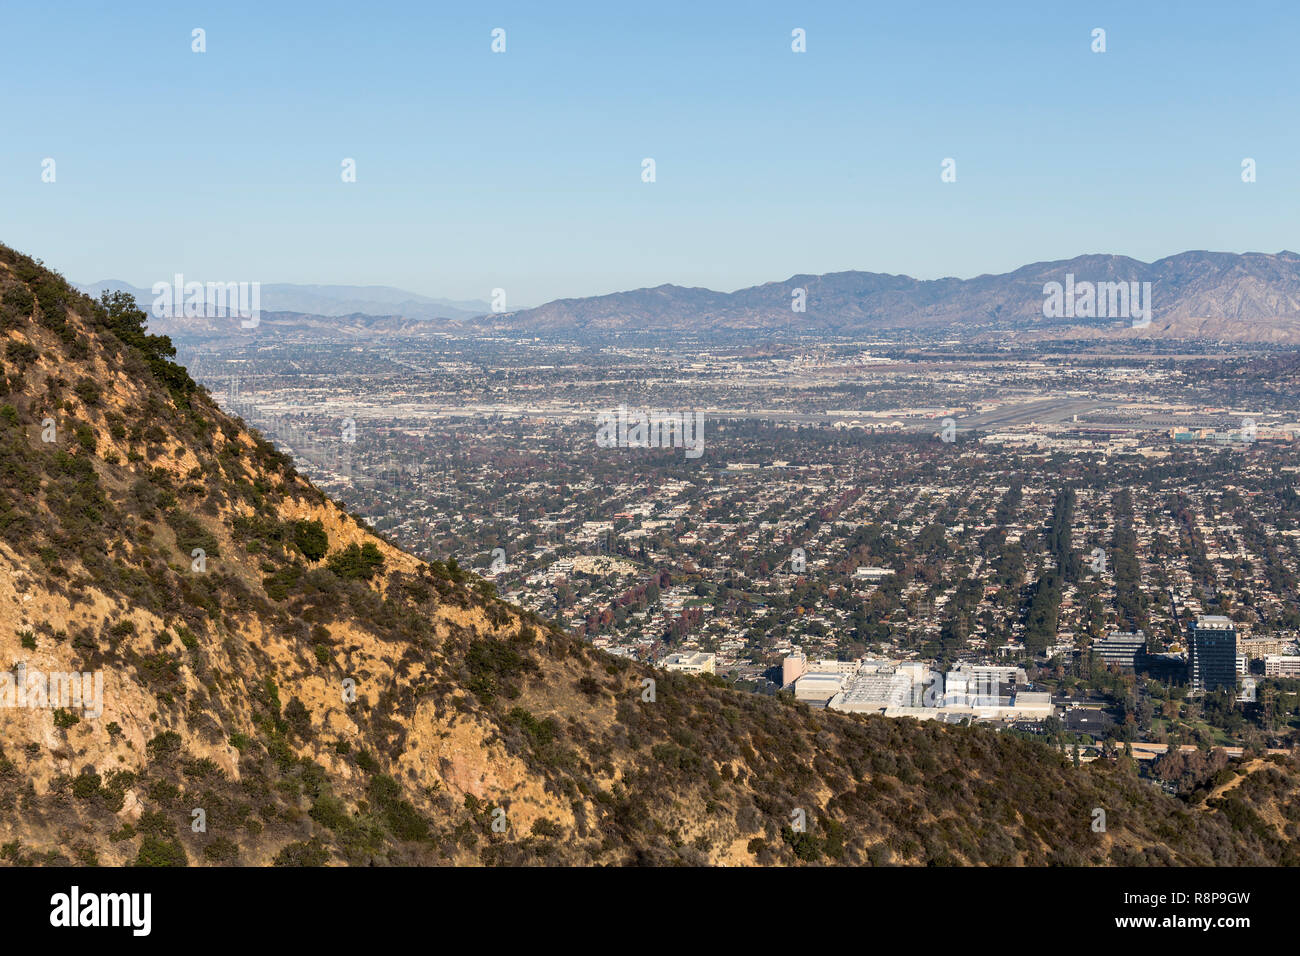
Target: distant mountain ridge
{"points": [[329, 300], [1219, 296], [1240, 297]]}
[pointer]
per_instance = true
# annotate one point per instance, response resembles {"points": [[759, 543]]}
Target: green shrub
{"points": [[191, 534], [85, 436], [299, 721], [367, 762], [155, 851], [309, 853], [21, 354], [493, 668], [282, 583], [165, 744], [357, 563], [546, 828], [402, 818], [221, 850], [86, 785], [87, 390], [330, 812], [309, 537]]}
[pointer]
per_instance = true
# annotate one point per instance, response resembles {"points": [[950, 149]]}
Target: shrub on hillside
{"points": [[357, 563], [310, 538]]}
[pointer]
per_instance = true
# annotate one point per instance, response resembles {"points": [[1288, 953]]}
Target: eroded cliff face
{"points": [[280, 685]]}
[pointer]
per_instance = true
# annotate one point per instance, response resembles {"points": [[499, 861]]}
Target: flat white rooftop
{"points": [[1214, 622]]}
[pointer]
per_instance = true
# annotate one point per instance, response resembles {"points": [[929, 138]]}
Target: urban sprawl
{"points": [[1099, 549]]}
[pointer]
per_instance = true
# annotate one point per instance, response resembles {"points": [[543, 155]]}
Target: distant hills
{"points": [[330, 300], [1218, 296], [1253, 297]]}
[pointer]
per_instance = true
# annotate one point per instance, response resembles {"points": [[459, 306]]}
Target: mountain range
{"points": [[1253, 297], [270, 667], [1214, 296]]}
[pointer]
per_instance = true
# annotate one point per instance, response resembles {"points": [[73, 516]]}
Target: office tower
{"points": [[1212, 654]]}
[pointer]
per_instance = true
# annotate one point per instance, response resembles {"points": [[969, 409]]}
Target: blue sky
{"points": [[522, 170]]}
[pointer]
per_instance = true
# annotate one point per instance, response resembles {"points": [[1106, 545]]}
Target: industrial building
{"points": [[819, 687], [913, 689], [982, 685], [878, 686]]}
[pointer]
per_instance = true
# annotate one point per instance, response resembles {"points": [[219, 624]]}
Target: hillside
{"points": [[1249, 298], [228, 604]]}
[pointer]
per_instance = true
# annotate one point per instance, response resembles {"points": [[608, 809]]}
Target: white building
{"points": [[865, 573], [696, 663], [981, 685], [881, 685], [819, 686], [1281, 665]]}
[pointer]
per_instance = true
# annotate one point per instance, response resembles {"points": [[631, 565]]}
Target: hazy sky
{"points": [[523, 170]]}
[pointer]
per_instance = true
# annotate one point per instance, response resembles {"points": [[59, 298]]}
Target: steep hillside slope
{"points": [[323, 697]]}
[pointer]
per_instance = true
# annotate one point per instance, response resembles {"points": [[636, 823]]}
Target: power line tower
{"points": [[1270, 697]]}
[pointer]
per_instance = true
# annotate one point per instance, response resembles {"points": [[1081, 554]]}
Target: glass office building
{"points": [[1212, 654]]}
